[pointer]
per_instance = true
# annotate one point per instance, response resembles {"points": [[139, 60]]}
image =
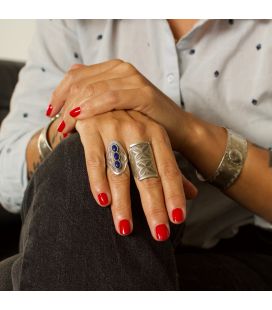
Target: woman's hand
{"points": [[115, 85], [162, 198]]}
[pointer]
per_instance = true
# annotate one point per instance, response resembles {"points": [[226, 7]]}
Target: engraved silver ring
{"points": [[142, 161]]}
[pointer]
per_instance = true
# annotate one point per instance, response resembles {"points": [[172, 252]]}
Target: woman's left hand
{"points": [[114, 85]]}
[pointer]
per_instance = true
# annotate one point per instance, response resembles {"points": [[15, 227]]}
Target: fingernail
{"points": [[162, 232], [61, 126], [124, 227], [178, 215], [75, 112], [49, 110], [65, 135], [103, 199]]}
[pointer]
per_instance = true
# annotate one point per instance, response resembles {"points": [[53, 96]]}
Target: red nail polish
{"points": [[103, 199], [124, 227], [162, 232], [49, 110], [65, 135], [75, 112], [61, 126], [178, 215]]}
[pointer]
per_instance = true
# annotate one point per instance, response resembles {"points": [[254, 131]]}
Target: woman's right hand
{"points": [[162, 198]]}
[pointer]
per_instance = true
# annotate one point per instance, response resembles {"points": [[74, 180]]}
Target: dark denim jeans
{"points": [[68, 242]]}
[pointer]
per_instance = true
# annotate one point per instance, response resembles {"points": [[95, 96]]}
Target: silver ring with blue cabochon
{"points": [[116, 158]]}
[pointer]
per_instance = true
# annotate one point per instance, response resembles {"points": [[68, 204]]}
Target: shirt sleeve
{"points": [[53, 50]]}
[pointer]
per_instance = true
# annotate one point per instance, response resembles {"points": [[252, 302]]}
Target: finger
{"points": [[121, 203], [189, 189], [77, 66], [75, 101], [150, 190], [95, 161], [152, 199], [120, 99], [170, 174], [72, 76]]}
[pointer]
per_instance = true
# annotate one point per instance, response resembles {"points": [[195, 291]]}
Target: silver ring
{"points": [[116, 158], [142, 161]]}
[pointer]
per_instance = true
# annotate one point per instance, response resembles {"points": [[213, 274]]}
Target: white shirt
{"points": [[221, 71]]}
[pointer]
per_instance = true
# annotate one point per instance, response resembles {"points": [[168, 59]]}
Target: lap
{"points": [[69, 242]]}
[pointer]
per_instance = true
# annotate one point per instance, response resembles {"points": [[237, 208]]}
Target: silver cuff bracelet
{"points": [[232, 162], [43, 144]]}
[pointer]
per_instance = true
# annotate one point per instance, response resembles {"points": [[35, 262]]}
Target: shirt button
{"points": [[170, 77]]}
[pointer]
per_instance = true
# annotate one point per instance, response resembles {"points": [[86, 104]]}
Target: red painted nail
{"points": [[178, 215], [65, 135], [49, 110], [75, 112], [61, 126], [103, 199], [124, 227], [162, 232]]}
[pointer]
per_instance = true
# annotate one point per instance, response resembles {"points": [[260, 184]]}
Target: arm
{"points": [[201, 142], [204, 145], [51, 53]]}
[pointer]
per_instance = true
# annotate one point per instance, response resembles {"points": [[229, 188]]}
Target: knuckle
{"points": [[119, 207], [156, 212], [89, 90], [113, 126], [170, 171], [128, 67], [70, 76], [117, 61], [139, 79], [132, 127], [176, 200], [152, 183], [95, 162], [118, 179], [75, 66], [111, 97], [160, 130], [74, 89]]}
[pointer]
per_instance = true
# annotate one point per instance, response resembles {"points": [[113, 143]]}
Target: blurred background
{"points": [[15, 36]]}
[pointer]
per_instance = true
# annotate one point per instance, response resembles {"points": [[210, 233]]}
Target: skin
{"points": [[116, 85], [159, 196]]}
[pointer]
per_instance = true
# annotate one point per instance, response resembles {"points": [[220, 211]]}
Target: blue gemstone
{"points": [[114, 147], [116, 156], [117, 164]]}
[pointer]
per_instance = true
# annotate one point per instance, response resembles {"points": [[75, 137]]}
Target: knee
{"points": [[67, 157], [60, 179]]}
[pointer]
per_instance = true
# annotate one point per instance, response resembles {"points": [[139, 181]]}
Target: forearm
{"points": [[205, 145], [33, 157]]}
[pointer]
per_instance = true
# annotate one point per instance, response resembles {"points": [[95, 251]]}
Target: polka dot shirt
{"points": [[220, 71]]}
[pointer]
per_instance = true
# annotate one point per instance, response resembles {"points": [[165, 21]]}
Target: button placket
{"points": [[171, 66]]}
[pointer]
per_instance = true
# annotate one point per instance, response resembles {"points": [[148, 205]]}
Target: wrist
{"points": [[203, 144], [193, 132]]}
